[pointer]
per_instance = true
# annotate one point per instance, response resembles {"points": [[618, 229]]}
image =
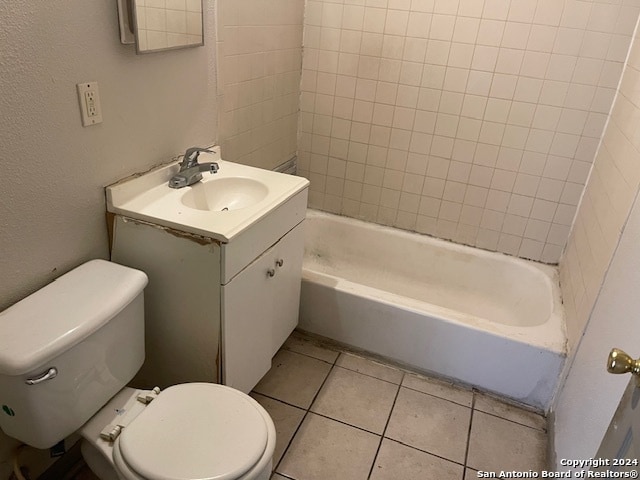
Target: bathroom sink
{"points": [[224, 194], [220, 206]]}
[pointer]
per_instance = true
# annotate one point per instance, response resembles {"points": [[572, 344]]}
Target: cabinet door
{"points": [[285, 290], [260, 310]]}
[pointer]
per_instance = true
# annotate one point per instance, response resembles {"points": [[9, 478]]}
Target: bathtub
{"points": [[482, 318]]}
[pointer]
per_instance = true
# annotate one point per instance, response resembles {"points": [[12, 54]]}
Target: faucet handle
{"points": [[191, 155]]}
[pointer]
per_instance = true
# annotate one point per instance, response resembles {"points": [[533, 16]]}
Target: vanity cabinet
{"points": [[260, 310], [215, 312]]}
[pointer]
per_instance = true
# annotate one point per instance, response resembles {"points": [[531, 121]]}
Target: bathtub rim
{"points": [[550, 335]]}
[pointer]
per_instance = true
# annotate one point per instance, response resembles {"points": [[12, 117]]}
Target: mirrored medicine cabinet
{"points": [[158, 25]]}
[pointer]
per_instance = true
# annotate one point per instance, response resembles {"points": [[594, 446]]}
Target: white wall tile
{"points": [[548, 12], [448, 7], [490, 32], [576, 14], [516, 35], [496, 9], [396, 22], [419, 25], [479, 83], [471, 8], [473, 120], [509, 61], [535, 64], [259, 80], [466, 29]]}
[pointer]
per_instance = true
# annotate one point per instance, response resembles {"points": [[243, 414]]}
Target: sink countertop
{"points": [[148, 197]]}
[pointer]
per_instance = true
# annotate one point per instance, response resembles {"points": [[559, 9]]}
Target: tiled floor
{"points": [[342, 416]]}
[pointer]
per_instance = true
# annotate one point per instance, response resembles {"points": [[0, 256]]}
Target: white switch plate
{"points": [[89, 97]]}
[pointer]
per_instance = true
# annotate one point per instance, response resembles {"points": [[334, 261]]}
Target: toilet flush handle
{"points": [[48, 375]]}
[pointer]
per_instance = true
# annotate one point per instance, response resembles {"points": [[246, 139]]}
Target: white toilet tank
{"points": [[86, 331]]}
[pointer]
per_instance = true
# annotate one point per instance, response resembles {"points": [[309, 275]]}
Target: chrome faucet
{"points": [[190, 170]]}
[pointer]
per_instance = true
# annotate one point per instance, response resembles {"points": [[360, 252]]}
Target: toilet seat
{"points": [[194, 431]]}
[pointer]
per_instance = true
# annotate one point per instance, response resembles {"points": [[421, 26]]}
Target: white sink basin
{"points": [[220, 206], [224, 194]]}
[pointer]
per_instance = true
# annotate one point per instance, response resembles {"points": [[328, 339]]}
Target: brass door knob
{"points": [[620, 362]]}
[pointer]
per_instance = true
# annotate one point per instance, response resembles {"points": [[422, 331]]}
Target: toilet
{"points": [[66, 354]]}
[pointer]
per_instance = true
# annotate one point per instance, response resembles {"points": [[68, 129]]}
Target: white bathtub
{"points": [[482, 318]]}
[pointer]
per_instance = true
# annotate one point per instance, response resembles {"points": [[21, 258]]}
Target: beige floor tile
{"points": [[356, 399], [286, 419], [369, 367], [431, 424], [293, 378], [324, 449], [396, 461], [470, 474], [494, 406], [275, 476], [497, 444], [300, 344], [439, 388]]}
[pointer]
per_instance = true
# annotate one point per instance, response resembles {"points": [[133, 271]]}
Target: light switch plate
{"points": [[89, 98]]}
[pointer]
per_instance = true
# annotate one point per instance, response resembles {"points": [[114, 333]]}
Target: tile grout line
{"points": [[356, 426], [278, 400], [345, 423], [284, 452], [369, 431], [510, 405], [399, 385], [372, 376], [543, 430], [373, 463], [476, 394], [289, 349], [351, 369], [306, 413], [311, 356], [409, 372], [424, 451], [422, 375], [438, 396], [281, 474], [466, 453]]}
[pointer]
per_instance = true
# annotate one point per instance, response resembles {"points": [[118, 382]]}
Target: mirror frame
{"points": [[130, 29]]}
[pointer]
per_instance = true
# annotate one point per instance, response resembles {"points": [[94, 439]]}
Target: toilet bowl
{"points": [[66, 354], [188, 431]]}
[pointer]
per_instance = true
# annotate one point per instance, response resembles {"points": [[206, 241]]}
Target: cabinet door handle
{"points": [[279, 262], [271, 272]]}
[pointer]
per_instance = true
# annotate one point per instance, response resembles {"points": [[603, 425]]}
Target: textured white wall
{"points": [[600, 276], [590, 396], [52, 169]]}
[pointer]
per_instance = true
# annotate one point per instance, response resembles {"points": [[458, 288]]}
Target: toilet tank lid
{"points": [[63, 313]]}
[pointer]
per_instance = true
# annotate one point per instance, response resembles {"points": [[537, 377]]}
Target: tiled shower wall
{"points": [[609, 196], [471, 120], [259, 62]]}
